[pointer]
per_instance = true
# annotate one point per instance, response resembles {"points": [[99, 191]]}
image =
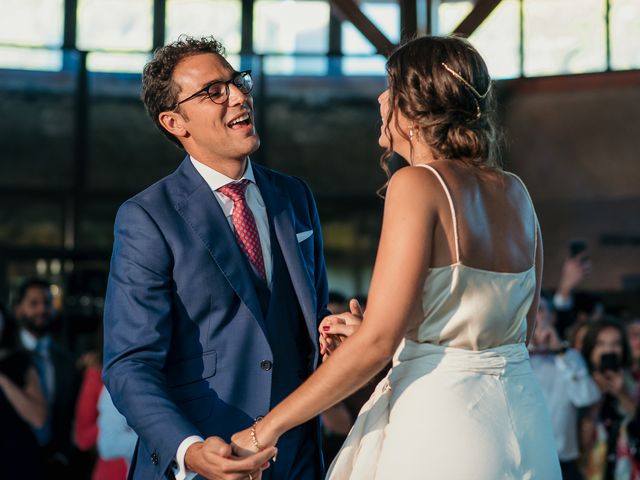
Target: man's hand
{"points": [[335, 328], [574, 271], [214, 460]]}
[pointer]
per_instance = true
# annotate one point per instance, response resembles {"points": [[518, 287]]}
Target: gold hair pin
{"points": [[478, 95]]}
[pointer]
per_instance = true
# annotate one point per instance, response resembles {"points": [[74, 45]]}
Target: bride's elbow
{"points": [[381, 347]]}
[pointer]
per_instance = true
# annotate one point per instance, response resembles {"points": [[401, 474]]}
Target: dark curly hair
{"points": [[591, 339], [451, 112], [159, 91]]}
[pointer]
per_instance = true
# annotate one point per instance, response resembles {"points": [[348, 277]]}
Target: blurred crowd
{"points": [[58, 420]]}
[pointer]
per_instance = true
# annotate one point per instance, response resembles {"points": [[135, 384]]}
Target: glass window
{"points": [[450, 14], [498, 40], [625, 34], [117, 62], [275, 30], [37, 23], [385, 16], [115, 25], [289, 65], [557, 40], [198, 18], [30, 59]]}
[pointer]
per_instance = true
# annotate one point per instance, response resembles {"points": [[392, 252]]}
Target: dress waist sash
{"points": [[504, 360]]}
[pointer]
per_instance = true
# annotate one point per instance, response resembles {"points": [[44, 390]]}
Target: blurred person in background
{"points": [[576, 333], [575, 270], [609, 449], [87, 428], [633, 329], [566, 385], [59, 378], [116, 440], [22, 407]]}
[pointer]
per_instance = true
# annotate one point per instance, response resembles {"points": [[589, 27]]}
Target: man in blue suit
{"points": [[217, 284]]}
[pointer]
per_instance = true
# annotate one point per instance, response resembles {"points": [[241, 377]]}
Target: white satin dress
{"points": [[461, 401]]}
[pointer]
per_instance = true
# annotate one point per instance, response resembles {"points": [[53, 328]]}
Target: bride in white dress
{"points": [[454, 293]]}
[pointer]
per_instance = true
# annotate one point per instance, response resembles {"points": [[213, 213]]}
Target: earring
{"points": [[411, 133]]}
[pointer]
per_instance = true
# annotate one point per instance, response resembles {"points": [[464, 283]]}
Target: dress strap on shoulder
{"points": [[451, 206], [536, 225]]}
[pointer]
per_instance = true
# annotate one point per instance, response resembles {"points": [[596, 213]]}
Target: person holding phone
{"points": [[608, 445], [566, 386]]}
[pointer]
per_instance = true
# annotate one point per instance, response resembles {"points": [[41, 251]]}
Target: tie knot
{"points": [[235, 190]]}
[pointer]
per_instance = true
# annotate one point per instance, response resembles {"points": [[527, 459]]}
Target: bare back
{"points": [[496, 224], [482, 287]]}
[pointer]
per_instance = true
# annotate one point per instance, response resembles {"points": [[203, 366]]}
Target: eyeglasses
{"points": [[218, 91]]}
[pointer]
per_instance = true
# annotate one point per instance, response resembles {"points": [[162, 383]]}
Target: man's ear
{"points": [[173, 122]]}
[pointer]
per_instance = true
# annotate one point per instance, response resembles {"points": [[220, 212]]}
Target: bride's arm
{"points": [[394, 300]]}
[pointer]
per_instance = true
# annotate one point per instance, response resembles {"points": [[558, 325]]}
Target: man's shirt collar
{"points": [[215, 179]]}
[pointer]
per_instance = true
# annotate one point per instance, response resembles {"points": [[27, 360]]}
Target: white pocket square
{"points": [[302, 236]]}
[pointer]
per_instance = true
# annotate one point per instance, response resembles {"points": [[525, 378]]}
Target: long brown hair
{"points": [[442, 85]]}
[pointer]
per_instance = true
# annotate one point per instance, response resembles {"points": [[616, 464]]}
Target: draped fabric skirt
{"points": [[451, 414]]}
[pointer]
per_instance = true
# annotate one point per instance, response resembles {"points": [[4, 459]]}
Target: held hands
{"points": [[334, 329], [214, 459]]}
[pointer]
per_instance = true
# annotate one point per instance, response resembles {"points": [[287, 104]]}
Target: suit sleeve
{"points": [[137, 334]]}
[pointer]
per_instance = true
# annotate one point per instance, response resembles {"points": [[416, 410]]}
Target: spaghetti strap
{"points": [[453, 210], [536, 225]]}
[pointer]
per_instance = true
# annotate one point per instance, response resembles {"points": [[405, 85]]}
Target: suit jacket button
{"points": [[266, 365], [155, 458]]}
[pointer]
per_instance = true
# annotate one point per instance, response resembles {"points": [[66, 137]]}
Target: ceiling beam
{"points": [[350, 11], [479, 14]]}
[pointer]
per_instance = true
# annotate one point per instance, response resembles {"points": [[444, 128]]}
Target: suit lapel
{"points": [[202, 212], [278, 208]]}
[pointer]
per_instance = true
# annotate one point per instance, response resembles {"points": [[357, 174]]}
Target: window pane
{"points": [[198, 18], [373, 65], [498, 40], [115, 24], [559, 40], [38, 23], [450, 14], [625, 34], [30, 59], [385, 16], [29, 221], [295, 65], [117, 62], [276, 31]]}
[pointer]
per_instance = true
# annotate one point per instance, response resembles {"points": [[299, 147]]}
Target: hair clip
{"points": [[470, 87], [467, 84]]}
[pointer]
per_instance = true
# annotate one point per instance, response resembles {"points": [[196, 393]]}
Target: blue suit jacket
{"points": [[184, 331]]}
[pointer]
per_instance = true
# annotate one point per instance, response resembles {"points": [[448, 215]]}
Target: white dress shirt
{"points": [[216, 180], [566, 386]]}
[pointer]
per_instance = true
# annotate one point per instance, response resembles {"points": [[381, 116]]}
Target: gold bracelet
{"points": [[254, 437]]}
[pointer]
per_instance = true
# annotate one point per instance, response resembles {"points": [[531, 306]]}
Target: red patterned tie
{"points": [[245, 224]]}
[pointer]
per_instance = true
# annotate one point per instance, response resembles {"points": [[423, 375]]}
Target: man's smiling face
{"points": [[217, 132]]}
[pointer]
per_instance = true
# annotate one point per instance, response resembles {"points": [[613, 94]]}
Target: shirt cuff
{"points": [[180, 471], [562, 303]]}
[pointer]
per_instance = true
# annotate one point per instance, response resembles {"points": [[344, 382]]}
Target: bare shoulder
{"points": [[417, 182]]}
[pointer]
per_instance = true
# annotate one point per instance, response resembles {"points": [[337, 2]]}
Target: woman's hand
{"points": [[335, 328], [243, 443]]}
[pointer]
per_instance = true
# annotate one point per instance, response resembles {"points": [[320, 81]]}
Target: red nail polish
{"points": [[326, 328]]}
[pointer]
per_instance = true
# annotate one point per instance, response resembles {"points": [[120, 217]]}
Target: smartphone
{"points": [[576, 247], [609, 362]]}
